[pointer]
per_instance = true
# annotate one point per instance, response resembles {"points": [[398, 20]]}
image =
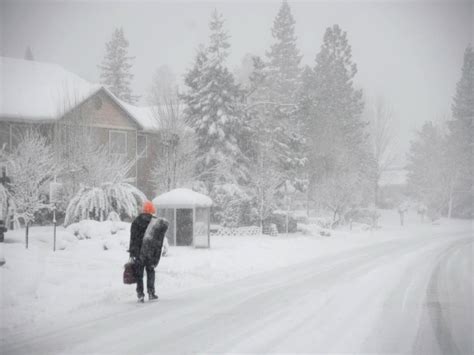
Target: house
{"points": [[67, 108]]}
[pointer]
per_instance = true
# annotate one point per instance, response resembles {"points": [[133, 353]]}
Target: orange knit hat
{"points": [[148, 207]]}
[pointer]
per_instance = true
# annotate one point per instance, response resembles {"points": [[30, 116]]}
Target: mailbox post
{"points": [[4, 180], [55, 190]]}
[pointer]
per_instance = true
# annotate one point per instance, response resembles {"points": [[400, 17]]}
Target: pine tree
{"points": [[284, 58], [428, 181], [29, 54], [266, 176], [115, 67], [460, 140], [214, 111], [337, 143], [282, 76]]}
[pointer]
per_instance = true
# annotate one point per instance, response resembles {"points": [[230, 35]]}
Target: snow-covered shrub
{"points": [[361, 227], [66, 241], [300, 216], [97, 202], [325, 232], [323, 222], [279, 219], [111, 244], [314, 230], [229, 200], [307, 229], [113, 216], [107, 235], [364, 216]]}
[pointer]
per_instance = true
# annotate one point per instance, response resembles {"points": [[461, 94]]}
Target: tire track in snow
{"points": [[204, 319], [436, 324]]}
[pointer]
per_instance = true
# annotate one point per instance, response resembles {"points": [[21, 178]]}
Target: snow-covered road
{"points": [[399, 296]]}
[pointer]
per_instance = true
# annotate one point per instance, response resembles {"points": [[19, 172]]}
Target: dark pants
{"points": [[150, 278]]}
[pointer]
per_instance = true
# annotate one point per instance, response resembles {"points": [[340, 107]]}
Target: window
{"points": [[118, 142], [142, 145]]}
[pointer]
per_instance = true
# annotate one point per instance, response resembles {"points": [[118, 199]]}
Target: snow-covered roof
{"points": [[38, 91], [182, 198], [145, 115]]}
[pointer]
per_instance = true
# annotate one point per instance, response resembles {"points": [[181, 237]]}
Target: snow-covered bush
{"points": [[363, 216], [106, 235], [323, 222], [113, 216], [279, 219], [229, 200], [106, 188], [314, 230]]}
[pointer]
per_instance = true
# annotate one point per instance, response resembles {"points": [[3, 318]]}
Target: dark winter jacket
{"points": [[150, 253], [137, 232]]}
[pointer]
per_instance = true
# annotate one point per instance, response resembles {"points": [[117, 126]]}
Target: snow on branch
{"points": [[106, 187], [31, 165]]}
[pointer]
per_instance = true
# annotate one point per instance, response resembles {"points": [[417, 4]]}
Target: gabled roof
{"points": [[36, 91]]}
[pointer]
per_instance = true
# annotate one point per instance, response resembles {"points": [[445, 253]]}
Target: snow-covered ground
{"points": [[41, 288]]}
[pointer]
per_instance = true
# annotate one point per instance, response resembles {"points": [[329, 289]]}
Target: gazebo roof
{"points": [[182, 198]]}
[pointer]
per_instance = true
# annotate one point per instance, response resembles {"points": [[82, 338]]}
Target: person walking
{"points": [[137, 233], [150, 255]]}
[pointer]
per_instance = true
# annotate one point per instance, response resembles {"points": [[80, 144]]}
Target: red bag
{"points": [[129, 273]]}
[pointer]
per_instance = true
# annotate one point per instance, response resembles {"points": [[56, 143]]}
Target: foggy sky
{"points": [[410, 52]]}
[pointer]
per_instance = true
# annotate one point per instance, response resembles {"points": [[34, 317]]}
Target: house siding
{"points": [[96, 122]]}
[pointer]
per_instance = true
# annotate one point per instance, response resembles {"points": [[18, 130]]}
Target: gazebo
{"points": [[189, 214]]}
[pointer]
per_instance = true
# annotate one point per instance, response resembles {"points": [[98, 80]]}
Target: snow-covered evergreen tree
{"points": [[277, 156], [282, 81], [337, 142], [428, 180], [461, 141], [214, 109], [283, 57], [267, 175], [115, 68]]}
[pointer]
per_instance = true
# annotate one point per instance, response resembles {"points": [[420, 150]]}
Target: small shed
{"points": [[189, 214]]}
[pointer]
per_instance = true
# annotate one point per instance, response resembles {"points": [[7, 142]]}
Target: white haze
{"points": [[409, 52]]}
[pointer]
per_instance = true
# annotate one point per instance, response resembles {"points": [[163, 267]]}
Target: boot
{"points": [[141, 298], [152, 296]]}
